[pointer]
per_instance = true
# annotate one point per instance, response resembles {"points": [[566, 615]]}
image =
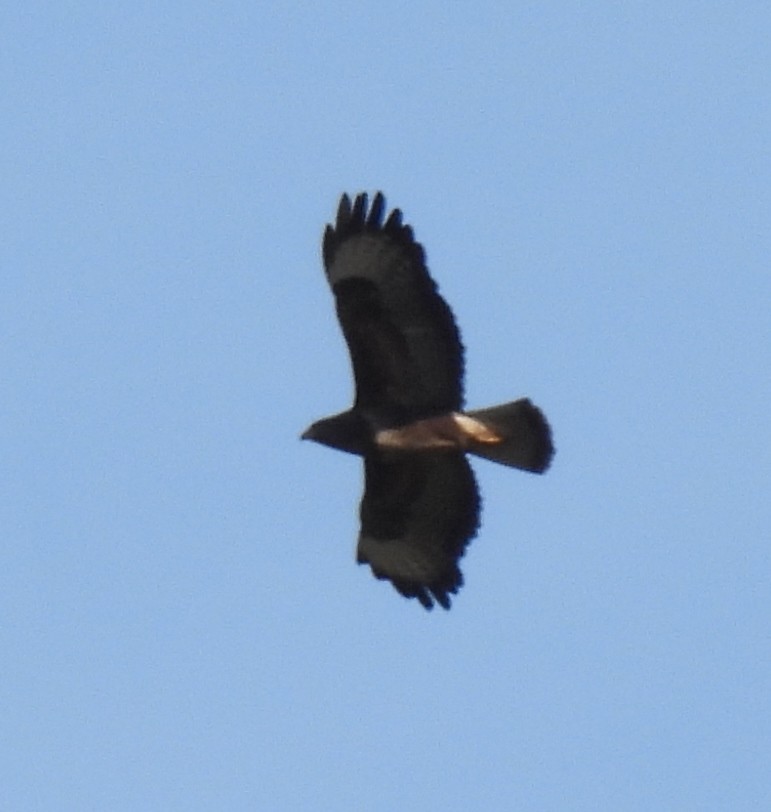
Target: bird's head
{"points": [[347, 431]]}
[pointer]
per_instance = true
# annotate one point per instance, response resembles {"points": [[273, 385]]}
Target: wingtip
{"points": [[356, 208], [344, 210], [394, 221], [376, 211], [359, 212]]}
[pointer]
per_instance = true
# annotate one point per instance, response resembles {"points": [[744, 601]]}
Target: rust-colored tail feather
{"points": [[526, 436]]}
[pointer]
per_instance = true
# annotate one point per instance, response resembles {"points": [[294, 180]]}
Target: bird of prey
{"points": [[421, 503]]}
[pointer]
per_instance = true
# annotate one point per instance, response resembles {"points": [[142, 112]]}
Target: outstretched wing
{"points": [[418, 513], [405, 347]]}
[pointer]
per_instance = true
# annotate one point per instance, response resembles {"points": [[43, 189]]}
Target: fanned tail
{"points": [[523, 437]]}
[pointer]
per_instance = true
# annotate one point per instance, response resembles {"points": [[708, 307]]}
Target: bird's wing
{"points": [[418, 513], [405, 347]]}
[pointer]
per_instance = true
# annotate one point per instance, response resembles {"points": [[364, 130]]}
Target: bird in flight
{"points": [[421, 503]]}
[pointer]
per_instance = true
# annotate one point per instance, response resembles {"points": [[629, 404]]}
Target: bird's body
{"points": [[421, 503]]}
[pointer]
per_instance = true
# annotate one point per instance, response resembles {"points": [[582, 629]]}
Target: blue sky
{"points": [[182, 623]]}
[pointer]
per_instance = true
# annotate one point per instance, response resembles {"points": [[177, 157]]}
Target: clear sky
{"points": [[182, 624]]}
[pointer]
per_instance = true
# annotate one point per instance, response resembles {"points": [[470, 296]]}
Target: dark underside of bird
{"points": [[421, 503]]}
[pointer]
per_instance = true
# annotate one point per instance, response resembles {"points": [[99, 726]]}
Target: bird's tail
{"points": [[519, 436]]}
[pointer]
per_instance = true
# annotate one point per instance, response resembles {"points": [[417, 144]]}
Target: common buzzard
{"points": [[421, 503]]}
